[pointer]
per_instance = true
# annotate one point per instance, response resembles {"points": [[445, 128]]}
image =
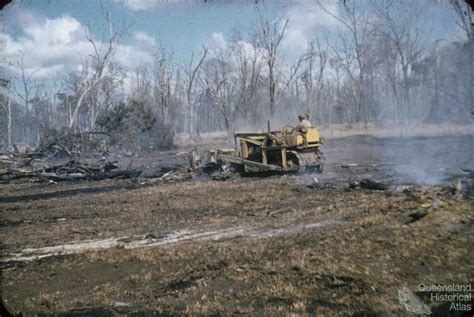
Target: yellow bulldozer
{"points": [[287, 150]]}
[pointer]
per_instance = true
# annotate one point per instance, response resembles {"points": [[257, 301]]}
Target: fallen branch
{"points": [[70, 171]]}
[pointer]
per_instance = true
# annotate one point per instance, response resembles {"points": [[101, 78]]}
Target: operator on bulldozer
{"points": [[303, 126]]}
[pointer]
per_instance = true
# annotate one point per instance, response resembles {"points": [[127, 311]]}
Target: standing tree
{"points": [[6, 83], [219, 83], [190, 82], [94, 69], [312, 78], [402, 30], [24, 89], [268, 36], [248, 63], [102, 96], [464, 12], [360, 27], [162, 92]]}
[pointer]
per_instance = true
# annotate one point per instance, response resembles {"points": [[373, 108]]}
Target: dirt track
{"points": [[247, 245]]}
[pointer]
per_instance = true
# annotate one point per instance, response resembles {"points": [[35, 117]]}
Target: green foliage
{"points": [[115, 120], [135, 126]]}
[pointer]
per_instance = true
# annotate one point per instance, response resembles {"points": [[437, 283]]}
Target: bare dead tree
{"points": [[219, 83], [9, 107], [25, 80], [24, 86], [190, 82], [335, 63], [249, 63], [6, 83], [94, 68], [101, 96], [313, 78], [162, 87], [345, 61], [360, 27], [380, 69], [289, 90], [269, 36], [307, 77], [464, 13], [405, 36], [390, 71], [293, 74], [179, 98]]}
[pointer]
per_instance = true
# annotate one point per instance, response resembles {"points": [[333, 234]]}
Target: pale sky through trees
{"points": [[51, 33]]}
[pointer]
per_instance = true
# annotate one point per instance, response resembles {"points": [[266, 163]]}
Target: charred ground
{"points": [[281, 244]]}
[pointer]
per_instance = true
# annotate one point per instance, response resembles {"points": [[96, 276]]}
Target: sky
{"points": [[50, 33]]}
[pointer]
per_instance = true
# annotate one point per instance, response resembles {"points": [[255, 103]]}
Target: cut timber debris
{"points": [[174, 175], [72, 170], [349, 165], [167, 174]]}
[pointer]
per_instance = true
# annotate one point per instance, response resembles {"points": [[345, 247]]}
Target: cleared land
{"points": [[271, 245]]}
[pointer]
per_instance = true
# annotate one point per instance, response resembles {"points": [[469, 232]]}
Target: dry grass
{"points": [[389, 129], [355, 267], [415, 129]]}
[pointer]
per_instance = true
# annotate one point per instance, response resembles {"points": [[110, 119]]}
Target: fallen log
{"points": [[349, 165], [134, 173], [61, 177], [165, 175], [7, 175], [70, 171], [371, 184]]}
